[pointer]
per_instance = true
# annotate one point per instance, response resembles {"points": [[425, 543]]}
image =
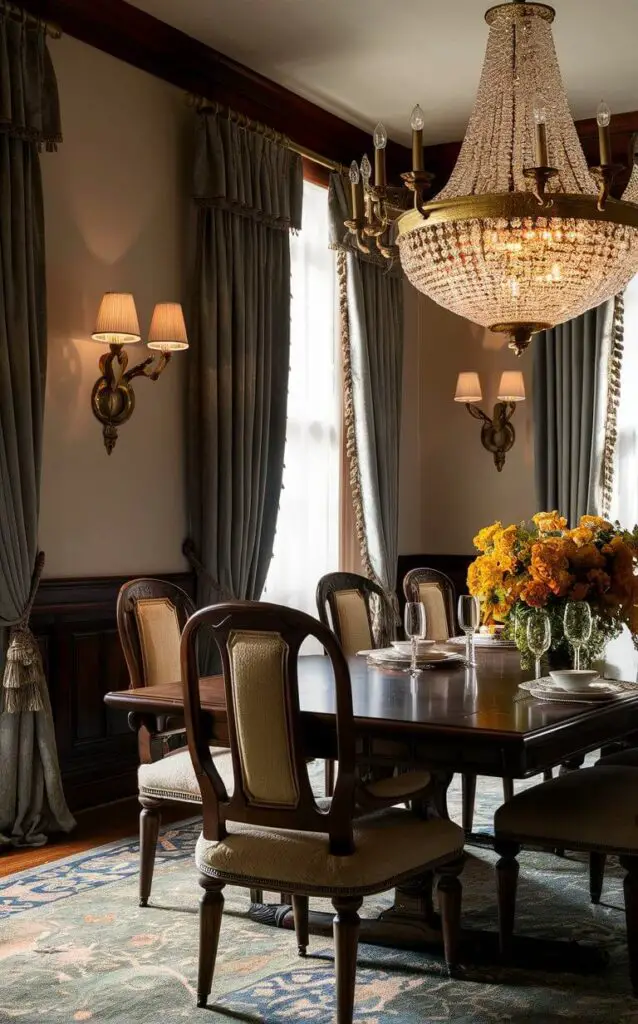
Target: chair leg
{"points": [[631, 916], [345, 927], [450, 893], [256, 895], [211, 905], [468, 786], [329, 777], [548, 775], [300, 914], [507, 869], [149, 831], [596, 875], [508, 789]]}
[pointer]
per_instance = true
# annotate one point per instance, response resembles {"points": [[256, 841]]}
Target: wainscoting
{"points": [[74, 621]]}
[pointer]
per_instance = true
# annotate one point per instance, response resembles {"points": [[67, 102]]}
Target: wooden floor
{"points": [[94, 828]]}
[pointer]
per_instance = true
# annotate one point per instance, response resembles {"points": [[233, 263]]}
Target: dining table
{"points": [[449, 718]]}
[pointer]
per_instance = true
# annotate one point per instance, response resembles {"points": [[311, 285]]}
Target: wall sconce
{"points": [[497, 434], [113, 398]]}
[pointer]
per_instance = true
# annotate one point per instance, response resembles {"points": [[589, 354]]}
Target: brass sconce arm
{"points": [[497, 434], [113, 397]]}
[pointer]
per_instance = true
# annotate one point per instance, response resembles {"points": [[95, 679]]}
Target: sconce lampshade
{"points": [[117, 322], [167, 332], [468, 388], [512, 387]]}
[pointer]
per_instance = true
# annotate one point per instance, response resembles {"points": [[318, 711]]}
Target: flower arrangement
{"points": [[544, 564]]}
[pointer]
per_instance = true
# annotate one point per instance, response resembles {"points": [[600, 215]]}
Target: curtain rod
{"points": [[200, 103], [19, 12]]}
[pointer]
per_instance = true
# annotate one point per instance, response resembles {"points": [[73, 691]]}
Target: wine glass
{"points": [[469, 613], [539, 636], [414, 623], [578, 625]]}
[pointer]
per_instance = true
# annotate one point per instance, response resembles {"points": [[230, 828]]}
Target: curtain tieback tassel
{"points": [[24, 681]]}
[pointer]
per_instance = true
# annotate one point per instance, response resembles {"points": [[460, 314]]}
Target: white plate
{"points": [[389, 654], [481, 640], [406, 645], [595, 693]]}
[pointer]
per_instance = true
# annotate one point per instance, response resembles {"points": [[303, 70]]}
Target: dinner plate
{"points": [[390, 655], [406, 645], [596, 693], [481, 640]]}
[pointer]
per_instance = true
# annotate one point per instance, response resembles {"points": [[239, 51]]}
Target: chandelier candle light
{"points": [[524, 235]]}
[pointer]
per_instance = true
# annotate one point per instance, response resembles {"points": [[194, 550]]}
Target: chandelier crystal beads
{"points": [[524, 235]]}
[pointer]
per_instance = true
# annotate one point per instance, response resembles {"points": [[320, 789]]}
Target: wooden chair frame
{"points": [[413, 579], [334, 582]]}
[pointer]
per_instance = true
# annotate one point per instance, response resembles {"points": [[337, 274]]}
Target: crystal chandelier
{"points": [[524, 235]]}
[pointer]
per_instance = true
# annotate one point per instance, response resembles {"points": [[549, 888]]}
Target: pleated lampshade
{"points": [[468, 388], [167, 332], [117, 322]]}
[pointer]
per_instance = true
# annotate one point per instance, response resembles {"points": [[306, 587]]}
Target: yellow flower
{"points": [[549, 522], [595, 523], [581, 535], [485, 537]]}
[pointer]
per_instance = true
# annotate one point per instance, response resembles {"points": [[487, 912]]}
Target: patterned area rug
{"points": [[74, 946]]}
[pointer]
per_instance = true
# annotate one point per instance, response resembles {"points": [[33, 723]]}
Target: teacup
{"points": [[574, 679]]}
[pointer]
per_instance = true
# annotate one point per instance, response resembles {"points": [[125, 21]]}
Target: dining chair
{"points": [[627, 758], [437, 593], [271, 832], [593, 810], [150, 617], [344, 605]]}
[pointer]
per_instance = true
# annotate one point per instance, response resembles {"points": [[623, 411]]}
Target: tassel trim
{"points": [[613, 401], [24, 682], [386, 613]]}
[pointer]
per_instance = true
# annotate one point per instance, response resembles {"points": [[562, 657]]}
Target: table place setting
{"points": [[576, 687]]}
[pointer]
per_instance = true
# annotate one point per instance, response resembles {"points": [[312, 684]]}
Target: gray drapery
{"points": [[32, 803], [568, 362], [371, 308], [248, 191]]}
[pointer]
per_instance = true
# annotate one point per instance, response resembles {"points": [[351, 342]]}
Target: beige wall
{"points": [[449, 485], [115, 209]]}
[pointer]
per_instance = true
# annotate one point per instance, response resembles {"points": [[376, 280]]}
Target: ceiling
{"points": [[370, 60]]}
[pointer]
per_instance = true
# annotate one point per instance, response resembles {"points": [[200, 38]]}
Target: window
{"points": [[624, 505], [307, 539]]}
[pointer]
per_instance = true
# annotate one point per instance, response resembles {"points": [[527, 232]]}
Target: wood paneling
{"points": [[74, 621]]}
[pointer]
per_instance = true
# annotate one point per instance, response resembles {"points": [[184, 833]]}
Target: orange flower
{"points": [[581, 535], [601, 580], [535, 594], [595, 523]]}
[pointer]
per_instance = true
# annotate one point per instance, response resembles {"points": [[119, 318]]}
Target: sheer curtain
{"points": [[624, 504], [307, 538]]}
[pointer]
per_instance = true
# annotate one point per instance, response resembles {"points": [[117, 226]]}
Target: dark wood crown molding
{"points": [[132, 35], [138, 38]]}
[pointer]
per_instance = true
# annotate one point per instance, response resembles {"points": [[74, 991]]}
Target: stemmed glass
{"points": [[578, 625], [415, 627], [539, 636], [469, 613]]}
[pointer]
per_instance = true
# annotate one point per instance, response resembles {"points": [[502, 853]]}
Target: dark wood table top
{"points": [[450, 716]]}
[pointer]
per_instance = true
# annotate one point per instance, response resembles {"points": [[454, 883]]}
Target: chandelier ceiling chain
{"points": [[524, 235]]}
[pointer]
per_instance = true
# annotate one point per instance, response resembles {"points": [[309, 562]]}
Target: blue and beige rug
{"points": [[74, 946]]}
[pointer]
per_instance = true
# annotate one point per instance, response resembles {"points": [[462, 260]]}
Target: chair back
{"points": [[151, 615], [259, 648], [346, 595], [436, 593]]}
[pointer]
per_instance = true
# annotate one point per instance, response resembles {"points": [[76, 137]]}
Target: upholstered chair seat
{"points": [[389, 846], [593, 809], [173, 778]]}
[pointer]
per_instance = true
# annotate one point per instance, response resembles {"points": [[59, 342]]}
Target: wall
{"points": [[449, 485], [116, 213]]}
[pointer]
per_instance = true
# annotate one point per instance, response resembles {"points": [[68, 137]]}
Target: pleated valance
{"points": [[29, 105], [342, 239], [247, 169]]}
